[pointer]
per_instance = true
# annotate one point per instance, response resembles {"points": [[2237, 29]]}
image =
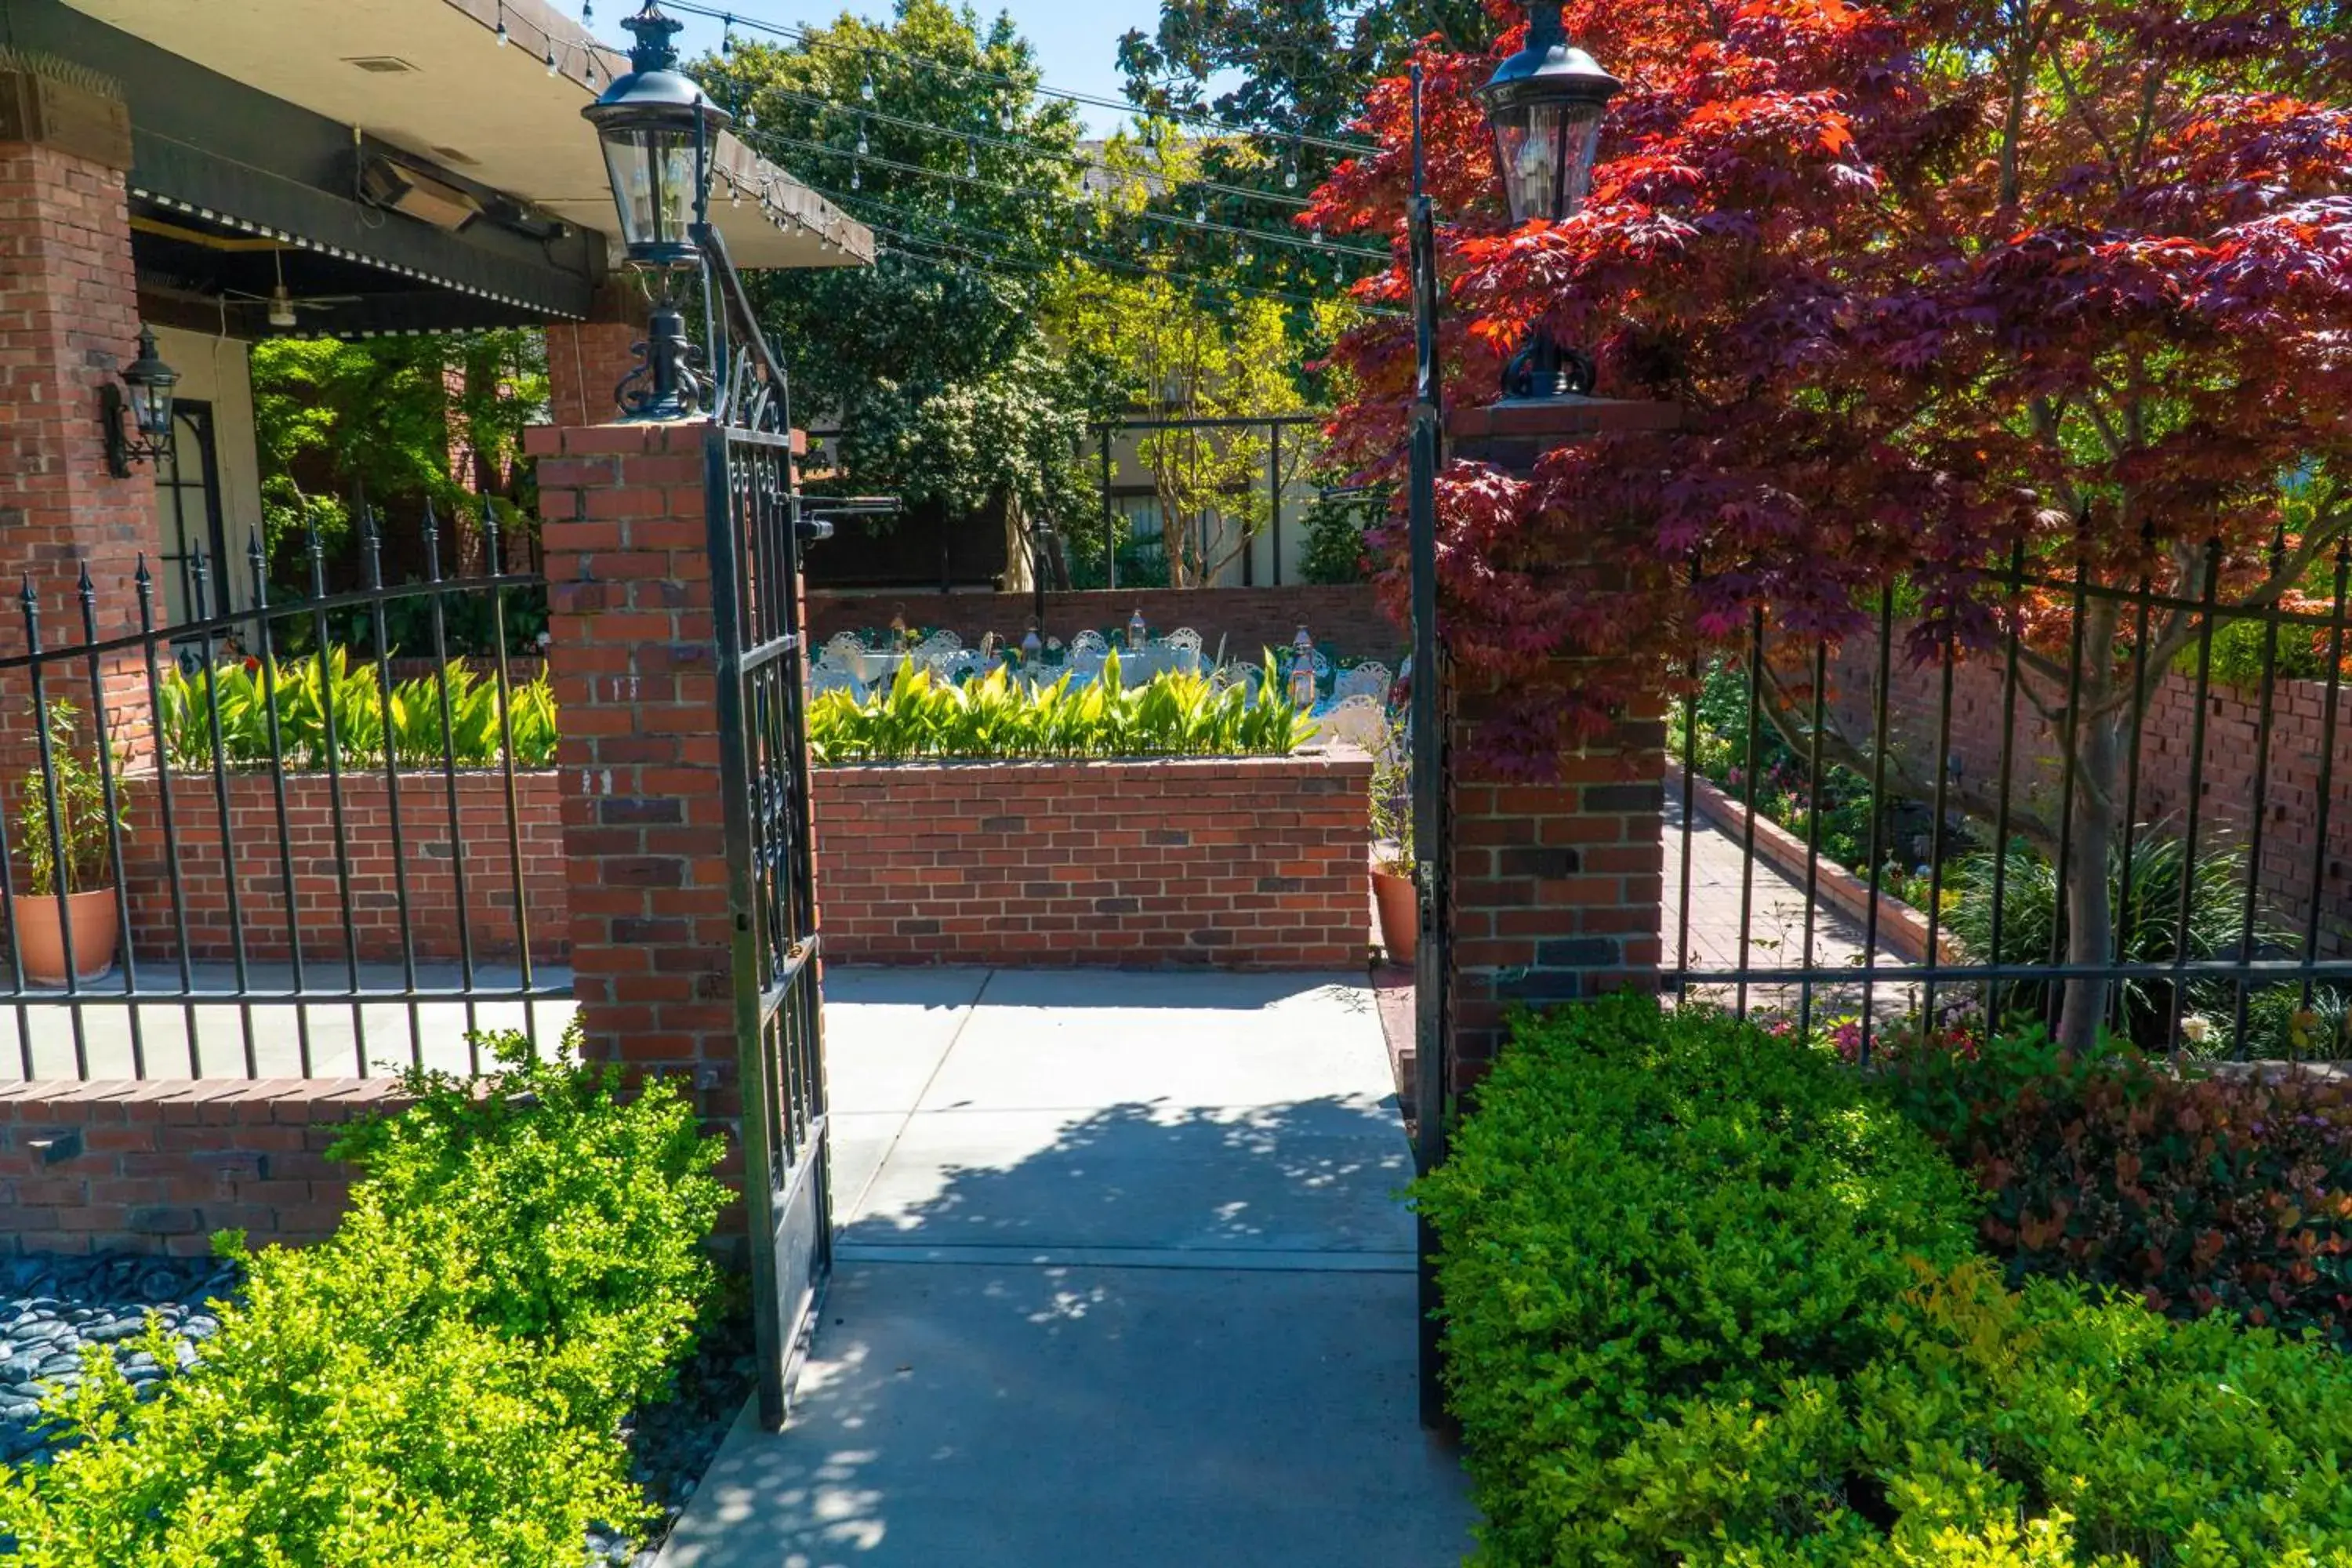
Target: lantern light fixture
{"points": [[1544, 105], [657, 127], [138, 413]]}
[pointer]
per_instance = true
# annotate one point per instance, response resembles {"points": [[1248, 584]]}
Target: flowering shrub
{"points": [[2198, 1192]]}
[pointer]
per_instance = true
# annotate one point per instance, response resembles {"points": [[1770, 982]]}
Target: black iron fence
{"points": [[230, 847], [2120, 812]]}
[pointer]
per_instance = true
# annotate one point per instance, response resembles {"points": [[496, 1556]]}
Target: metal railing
{"points": [[2119, 811], [303, 864]]}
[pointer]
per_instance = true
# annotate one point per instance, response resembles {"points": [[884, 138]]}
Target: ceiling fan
{"points": [[282, 301]]}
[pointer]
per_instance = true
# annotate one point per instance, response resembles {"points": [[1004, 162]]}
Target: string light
{"points": [[727, 38], [551, 67], [854, 179], [587, 12], [866, 88], [969, 73], [503, 34], [970, 162], [862, 148]]}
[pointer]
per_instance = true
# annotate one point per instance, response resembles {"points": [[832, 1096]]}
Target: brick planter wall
{"points": [[1343, 617], [257, 852], [2233, 724], [1244, 863], [158, 1167]]}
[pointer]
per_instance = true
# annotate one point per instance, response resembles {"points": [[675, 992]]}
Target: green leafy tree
{"points": [[1190, 353], [933, 361], [406, 419]]}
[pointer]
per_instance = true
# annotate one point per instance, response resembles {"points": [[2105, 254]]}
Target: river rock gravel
{"points": [[52, 1307]]}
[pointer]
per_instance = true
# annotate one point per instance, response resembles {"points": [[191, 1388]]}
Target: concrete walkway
{"points": [[1122, 1282]]}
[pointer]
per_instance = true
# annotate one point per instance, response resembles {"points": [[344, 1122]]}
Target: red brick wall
{"points": [[629, 600], [257, 853], [1557, 883], [158, 1167], [69, 321], [2289, 806], [1257, 863], [585, 361], [1344, 617]]}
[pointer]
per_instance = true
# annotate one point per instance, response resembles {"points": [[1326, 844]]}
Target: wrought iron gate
{"points": [[1433, 795], [756, 531]]}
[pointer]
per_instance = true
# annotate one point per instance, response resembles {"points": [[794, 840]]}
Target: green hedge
{"points": [[440, 1382], [1710, 1298]]}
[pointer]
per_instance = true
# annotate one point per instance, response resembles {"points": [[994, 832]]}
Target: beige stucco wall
{"points": [[219, 371]]}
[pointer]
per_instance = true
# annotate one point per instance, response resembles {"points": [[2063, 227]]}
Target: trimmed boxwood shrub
{"points": [[442, 1381], [2198, 1192], [1710, 1298]]}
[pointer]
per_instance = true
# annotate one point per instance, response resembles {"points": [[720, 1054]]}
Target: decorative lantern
{"points": [[1545, 104], [1138, 633], [658, 127], [138, 414]]}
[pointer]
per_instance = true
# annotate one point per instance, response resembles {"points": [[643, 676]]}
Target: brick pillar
{"points": [[632, 661], [69, 321], [1556, 884]]}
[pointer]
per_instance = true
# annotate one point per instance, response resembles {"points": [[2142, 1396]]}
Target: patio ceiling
{"points": [[426, 76]]}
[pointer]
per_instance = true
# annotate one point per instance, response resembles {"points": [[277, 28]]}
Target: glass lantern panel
{"points": [[151, 409], [1545, 152], [1525, 148], [653, 185]]}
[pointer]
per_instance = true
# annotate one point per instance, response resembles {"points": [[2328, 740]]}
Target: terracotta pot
{"points": [[1400, 909], [97, 928]]}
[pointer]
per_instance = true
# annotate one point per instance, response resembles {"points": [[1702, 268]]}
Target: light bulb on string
{"points": [[587, 12], [502, 35], [1290, 178], [1316, 236], [971, 160], [855, 180], [950, 203], [551, 67], [726, 36], [862, 148], [866, 88], [1200, 211]]}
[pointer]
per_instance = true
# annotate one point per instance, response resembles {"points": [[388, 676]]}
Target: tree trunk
{"points": [[2090, 900], [2098, 745], [1018, 576]]}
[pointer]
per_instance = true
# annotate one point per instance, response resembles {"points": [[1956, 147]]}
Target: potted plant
{"points": [[77, 861], [1394, 894]]}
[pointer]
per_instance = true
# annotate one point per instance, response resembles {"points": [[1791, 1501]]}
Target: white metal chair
{"points": [[1089, 643], [1370, 678], [1359, 720], [826, 676]]}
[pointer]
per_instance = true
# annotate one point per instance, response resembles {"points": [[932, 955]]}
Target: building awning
{"points": [[429, 79]]}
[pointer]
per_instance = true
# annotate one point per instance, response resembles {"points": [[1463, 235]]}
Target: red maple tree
{"points": [[1935, 283]]}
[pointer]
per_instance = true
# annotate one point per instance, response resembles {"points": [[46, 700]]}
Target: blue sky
{"points": [[1076, 40]]}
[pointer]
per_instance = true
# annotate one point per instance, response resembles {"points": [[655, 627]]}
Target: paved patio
{"points": [[204, 1034], [1122, 1279], [1719, 870]]}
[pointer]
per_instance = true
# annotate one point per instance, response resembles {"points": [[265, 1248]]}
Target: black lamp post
{"points": [[1545, 104], [658, 127], [138, 414]]}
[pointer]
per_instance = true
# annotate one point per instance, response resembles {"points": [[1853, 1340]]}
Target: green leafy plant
{"points": [[2147, 928], [2199, 1193], [1175, 713], [313, 693], [1711, 1299], [77, 857], [442, 1381], [1391, 801]]}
